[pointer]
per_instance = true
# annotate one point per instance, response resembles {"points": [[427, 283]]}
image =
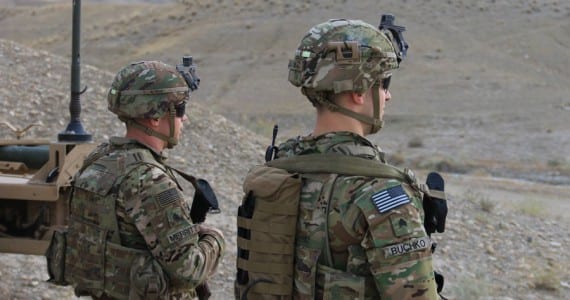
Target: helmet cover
{"points": [[342, 55], [145, 90]]}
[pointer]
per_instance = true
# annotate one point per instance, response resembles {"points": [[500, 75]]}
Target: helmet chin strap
{"points": [[378, 122], [170, 140]]}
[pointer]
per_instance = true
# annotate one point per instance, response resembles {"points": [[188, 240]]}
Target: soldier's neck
{"points": [[329, 121], [151, 141]]}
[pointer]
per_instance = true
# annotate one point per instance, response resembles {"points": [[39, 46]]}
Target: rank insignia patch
{"points": [[390, 198]]}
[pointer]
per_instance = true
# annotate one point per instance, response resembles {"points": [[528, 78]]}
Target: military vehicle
{"points": [[35, 175]]}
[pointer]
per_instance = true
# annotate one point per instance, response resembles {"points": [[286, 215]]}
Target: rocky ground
{"points": [[487, 104]]}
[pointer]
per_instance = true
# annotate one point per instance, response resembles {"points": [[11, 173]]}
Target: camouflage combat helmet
{"points": [[149, 90], [145, 90], [344, 56]]}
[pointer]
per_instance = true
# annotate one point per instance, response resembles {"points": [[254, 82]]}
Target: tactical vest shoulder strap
{"points": [[350, 165], [340, 164]]}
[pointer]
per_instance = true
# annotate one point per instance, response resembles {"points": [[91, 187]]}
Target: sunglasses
{"points": [[386, 83], [180, 109]]}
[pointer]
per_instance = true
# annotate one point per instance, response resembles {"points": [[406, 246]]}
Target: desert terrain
{"points": [[483, 97]]}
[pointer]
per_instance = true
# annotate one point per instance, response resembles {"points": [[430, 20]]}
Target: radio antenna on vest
{"points": [[271, 151]]}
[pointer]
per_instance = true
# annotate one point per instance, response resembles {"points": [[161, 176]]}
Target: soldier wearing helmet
{"points": [[359, 232], [130, 233]]}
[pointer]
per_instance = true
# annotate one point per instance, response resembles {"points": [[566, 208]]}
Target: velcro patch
{"points": [[390, 198], [168, 197], [407, 247], [182, 234]]}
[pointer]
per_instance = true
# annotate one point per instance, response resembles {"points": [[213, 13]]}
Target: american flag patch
{"points": [[390, 198], [168, 197]]}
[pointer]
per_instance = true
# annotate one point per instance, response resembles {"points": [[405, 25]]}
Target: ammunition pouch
{"points": [[97, 267], [55, 256], [147, 280]]}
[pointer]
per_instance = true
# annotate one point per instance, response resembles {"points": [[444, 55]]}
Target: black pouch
{"points": [[55, 256]]}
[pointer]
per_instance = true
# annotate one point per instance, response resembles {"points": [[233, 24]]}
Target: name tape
{"points": [[407, 247]]}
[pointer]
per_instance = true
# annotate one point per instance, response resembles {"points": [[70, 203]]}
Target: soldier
{"points": [[359, 232], [130, 234]]}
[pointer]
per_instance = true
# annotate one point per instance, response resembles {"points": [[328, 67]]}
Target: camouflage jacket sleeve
{"points": [[396, 244], [155, 205]]}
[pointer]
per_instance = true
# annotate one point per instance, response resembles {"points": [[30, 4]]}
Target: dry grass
{"points": [[482, 218], [561, 166], [485, 203], [467, 288], [397, 159], [547, 277], [548, 282], [443, 164], [531, 207], [415, 142]]}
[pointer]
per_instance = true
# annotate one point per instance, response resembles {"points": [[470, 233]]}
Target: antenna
{"points": [[74, 131]]}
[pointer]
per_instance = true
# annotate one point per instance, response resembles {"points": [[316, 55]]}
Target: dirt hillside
{"points": [[483, 97], [485, 83]]}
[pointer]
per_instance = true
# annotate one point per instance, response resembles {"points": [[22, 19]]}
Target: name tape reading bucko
{"points": [[182, 234], [407, 247]]}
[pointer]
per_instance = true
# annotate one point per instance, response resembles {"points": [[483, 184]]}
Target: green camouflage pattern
{"points": [[127, 183], [145, 76], [363, 243], [316, 66]]}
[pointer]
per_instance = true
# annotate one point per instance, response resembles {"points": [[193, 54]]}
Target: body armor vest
{"points": [[283, 242], [96, 263]]}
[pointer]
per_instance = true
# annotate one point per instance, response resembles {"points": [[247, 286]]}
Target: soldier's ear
{"points": [[357, 98], [154, 122]]}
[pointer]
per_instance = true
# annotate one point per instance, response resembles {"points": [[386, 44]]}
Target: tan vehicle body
{"points": [[36, 175], [34, 201]]}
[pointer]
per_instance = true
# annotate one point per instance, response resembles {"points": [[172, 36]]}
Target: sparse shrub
{"points": [[468, 288], [482, 218], [480, 172], [548, 280], [471, 196], [560, 165], [416, 142], [554, 163], [443, 164], [259, 125], [531, 208], [397, 159], [484, 202]]}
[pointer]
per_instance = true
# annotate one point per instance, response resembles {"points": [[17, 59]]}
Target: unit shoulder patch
{"points": [[390, 198]]}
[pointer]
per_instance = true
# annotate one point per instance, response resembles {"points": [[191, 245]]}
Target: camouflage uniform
{"points": [[130, 233], [357, 236], [375, 252]]}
